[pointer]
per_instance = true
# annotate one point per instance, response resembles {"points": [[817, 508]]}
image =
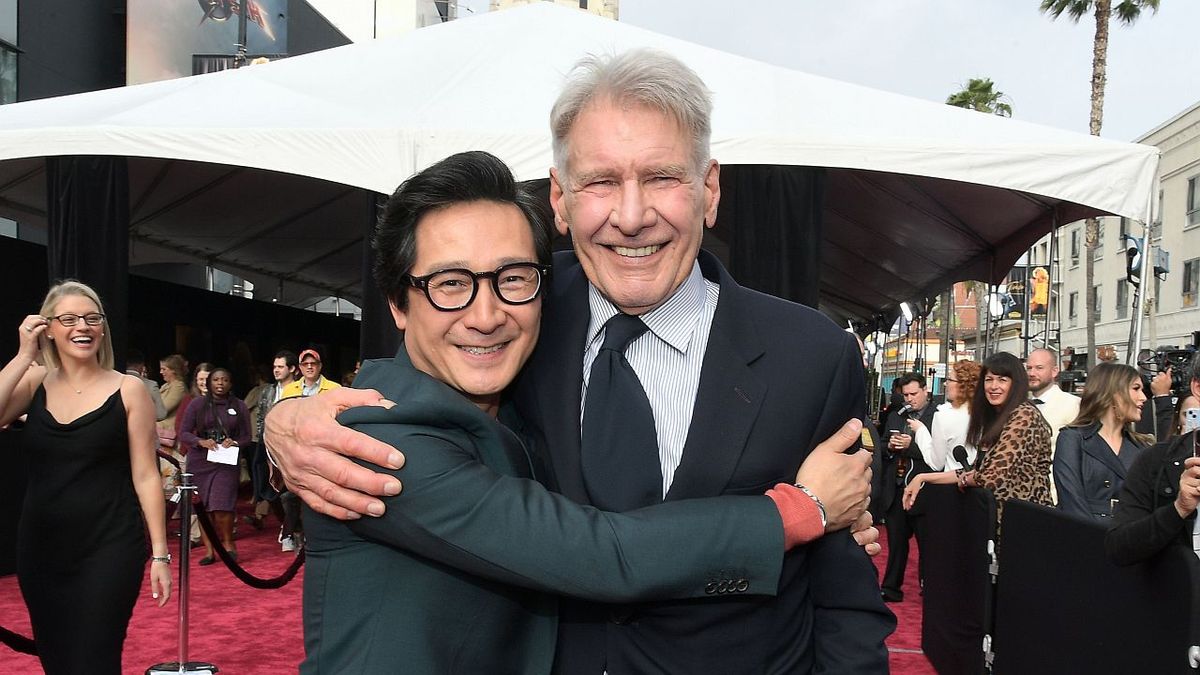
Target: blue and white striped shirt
{"points": [[667, 359]]}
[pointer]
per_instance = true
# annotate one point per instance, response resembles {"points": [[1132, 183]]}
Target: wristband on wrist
{"points": [[165, 559], [817, 501]]}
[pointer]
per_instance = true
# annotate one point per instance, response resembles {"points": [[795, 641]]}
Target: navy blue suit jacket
{"points": [[777, 379]]}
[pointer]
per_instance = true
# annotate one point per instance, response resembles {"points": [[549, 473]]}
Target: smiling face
{"points": [[996, 388], [202, 381], [78, 342], [633, 203], [479, 349], [1134, 403], [167, 374]]}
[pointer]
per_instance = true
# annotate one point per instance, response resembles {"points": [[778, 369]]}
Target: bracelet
{"points": [[816, 500], [165, 559]]}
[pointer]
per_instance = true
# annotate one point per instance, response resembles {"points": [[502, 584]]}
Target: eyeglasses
{"points": [[68, 320], [455, 289], [309, 364], [948, 379]]}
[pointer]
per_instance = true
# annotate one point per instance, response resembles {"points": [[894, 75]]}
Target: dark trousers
{"points": [[260, 474], [901, 525], [291, 514]]}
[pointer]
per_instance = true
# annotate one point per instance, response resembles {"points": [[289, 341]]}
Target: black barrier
{"points": [[1063, 607], [958, 587]]}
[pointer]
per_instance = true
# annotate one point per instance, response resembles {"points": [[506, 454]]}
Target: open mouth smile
{"points": [[640, 252], [483, 351]]}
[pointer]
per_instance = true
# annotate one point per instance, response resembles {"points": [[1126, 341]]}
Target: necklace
{"points": [[73, 388]]}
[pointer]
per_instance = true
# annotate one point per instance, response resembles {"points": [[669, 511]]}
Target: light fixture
{"points": [[906, 310]]}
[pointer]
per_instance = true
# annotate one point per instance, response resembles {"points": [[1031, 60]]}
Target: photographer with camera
{"points": [[214, 427], [1157, 505], [1164, 376], [903, 460]]}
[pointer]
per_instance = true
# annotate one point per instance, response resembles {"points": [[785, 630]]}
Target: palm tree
{"points": [[980, 94], [1128, 11]]}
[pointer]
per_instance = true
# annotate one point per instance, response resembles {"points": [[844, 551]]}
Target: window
{"points": [[1191, 281], [1122, 299], [1073, 308], [1097, 306], [1075, 246], [1193, 201], [1099, 251]]}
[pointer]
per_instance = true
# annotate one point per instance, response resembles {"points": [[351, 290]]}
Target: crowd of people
{"points": [[1011, 428], [615, 459]]}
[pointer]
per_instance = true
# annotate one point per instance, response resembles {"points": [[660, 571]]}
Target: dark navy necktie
{"points": [[620, 447]]}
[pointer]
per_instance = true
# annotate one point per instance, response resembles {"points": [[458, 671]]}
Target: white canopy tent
{"points": [[919, 194]]}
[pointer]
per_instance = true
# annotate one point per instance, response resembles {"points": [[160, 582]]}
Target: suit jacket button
{"points": [[1108, 483], [743, 585], [723, 586], [710, 587]]}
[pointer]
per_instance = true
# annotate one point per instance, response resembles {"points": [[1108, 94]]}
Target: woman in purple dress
{"points": [[215, 421]]}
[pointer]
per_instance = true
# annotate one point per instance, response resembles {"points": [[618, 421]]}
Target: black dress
{"points": [[81, 549]]}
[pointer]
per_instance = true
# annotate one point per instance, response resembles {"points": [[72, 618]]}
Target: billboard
{"points": [[1026, 289], [163, 35]]}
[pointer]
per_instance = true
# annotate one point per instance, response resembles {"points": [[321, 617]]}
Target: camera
{"points": [[1175, 359], [215, 435]]}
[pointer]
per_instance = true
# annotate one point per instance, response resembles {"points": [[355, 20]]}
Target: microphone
{"points": [[960, 455], [904, 410]]}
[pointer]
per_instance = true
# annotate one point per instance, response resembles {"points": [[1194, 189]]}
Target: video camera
{"points": [[1175, 359]]}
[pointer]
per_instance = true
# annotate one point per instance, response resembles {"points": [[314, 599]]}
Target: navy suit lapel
{"points": [[729, 397], [557, 376]]}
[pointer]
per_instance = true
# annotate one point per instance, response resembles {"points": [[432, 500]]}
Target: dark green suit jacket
{"points": [[461, 575]]}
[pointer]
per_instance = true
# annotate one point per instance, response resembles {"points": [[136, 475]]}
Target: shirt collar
{"points": [[673, 322]]}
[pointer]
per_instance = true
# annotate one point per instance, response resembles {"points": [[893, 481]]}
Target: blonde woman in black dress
{"points": [[89, 441]]}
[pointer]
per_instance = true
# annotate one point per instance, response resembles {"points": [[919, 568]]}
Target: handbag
{"points": [[166, 437]]}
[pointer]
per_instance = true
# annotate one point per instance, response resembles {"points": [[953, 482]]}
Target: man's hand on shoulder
{"points": [[306, 443], [841, 482]]}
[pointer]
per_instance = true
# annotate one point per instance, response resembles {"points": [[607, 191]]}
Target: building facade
{"points": [[1172, 305]]}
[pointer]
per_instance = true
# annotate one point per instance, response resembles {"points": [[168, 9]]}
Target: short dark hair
{"points": [[1193, 369], [460, 178], [288, 356], [909, 378]]}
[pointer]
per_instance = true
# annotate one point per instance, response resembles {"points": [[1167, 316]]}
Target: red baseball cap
{"points": [[310, 352]]}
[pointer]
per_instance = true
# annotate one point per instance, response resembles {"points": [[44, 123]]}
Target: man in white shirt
{"points": [[1057, 406]]}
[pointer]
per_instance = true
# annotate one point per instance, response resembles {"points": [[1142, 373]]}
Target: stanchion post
{"points": [[186, 489]]}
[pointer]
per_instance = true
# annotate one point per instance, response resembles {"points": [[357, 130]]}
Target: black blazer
{"points": [[1088, 474], [892, 486], [777, 379], [1145, 520]]}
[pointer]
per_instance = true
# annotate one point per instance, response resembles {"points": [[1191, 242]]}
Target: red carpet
{"points": [[237, 628], [243, 630], [904, 645]]}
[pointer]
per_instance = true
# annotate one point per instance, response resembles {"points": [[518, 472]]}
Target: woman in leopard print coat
{"points": [[1012, 436]]}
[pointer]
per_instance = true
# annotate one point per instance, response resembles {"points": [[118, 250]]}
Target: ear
{"points": [[712, 192], [558, 203], [398, 315]]}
